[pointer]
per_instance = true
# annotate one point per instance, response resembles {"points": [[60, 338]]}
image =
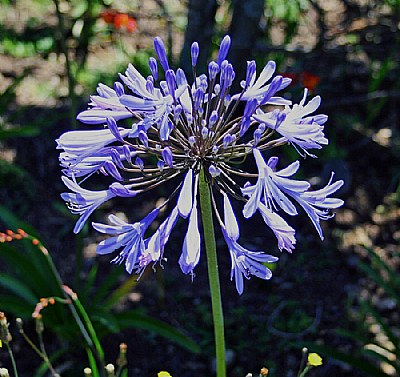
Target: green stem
{"points": [[68, 64], [14, 364], [41, 353], [213, 276], [305, 371], [92, 342]]}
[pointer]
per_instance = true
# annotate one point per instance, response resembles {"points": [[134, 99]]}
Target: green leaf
{"points": [[18, 287], [376, 276], [380, 356], [107, 285], [139, 320], [119, 293], [27, 131], [12, 304], [363, 338], [384, 326], [13, 222], [92, 363]]}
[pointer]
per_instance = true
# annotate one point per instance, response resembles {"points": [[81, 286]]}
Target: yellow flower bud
{"points": [[163, 374], [314, 359]]}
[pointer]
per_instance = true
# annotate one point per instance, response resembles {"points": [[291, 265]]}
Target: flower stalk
{"points": [[213, 275]]}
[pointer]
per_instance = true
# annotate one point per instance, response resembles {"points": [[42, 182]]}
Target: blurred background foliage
{"points": [[339, 298]]}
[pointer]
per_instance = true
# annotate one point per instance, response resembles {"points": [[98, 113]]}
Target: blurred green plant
{"points": [[377, 356], [29, 278], [287, 12], [7, 98]]}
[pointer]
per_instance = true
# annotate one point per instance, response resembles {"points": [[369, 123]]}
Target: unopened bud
{"points": [[87, 372], [5, 336], [110, 369], [4, 372], [20, 323], [121, 361], [39, 325]]}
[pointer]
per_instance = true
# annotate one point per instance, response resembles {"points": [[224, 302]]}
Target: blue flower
{"points": [[105, 105], [129, 237], [296, 125], [244, 262], [180, 129], [84, 202]]}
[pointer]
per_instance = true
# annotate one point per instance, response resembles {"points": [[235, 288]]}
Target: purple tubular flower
{"points": [[260, 89], [167, 156], [86, 143], [198, 97], [143, 138], [153, 67], [77, 165], [150, 84], [246, 263], [171, 81], [128, 153], [127, 236], [227, 140], [249, 110], [214, 171], [117, 158], [160, 165], [139, 162], [213, 70], [119, 89], [83, 202], [154, 249], [110, 168], [318, 205], [99, 115], [112, 126], [104, 106], [213, 118], [227, 77], [181, 80], [123, 191], [194, 52], [283, 232], [272, 89], [223, 49], [297, 128], [257, 136], [161, 53], [231, 226], [250, 72], [191, 245], [185, 199], [273, 188]]}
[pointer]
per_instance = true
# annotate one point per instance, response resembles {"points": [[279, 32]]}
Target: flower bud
{"points": [[153, 67], [161, 53], [119, 89], [4, 372], [194, 52], [223, 49]]}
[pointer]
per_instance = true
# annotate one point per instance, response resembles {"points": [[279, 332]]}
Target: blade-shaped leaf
{"points": [[143, 321]]}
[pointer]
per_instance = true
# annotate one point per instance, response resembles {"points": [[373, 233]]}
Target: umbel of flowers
{"points": [[149, 130]]}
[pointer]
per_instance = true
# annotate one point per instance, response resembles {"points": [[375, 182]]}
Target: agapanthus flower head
{"points": [[153, 131]]}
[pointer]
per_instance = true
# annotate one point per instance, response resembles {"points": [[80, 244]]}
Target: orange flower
{"points": [[108, 16], [310, 80]]}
